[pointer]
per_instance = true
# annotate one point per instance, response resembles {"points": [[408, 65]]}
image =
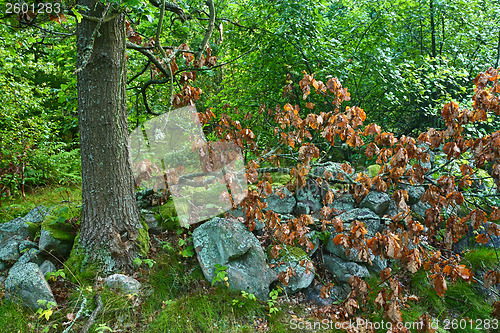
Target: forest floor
{"points": [[175, 296]]}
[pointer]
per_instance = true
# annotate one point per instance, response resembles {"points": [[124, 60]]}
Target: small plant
{"points": [[186, 246], [149, 262], [47, 312], [54, 275], [103, 328], [245, 295], [273, 300], [220, 275]]}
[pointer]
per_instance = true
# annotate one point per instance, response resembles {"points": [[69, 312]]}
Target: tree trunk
{"points": [[110, 225]]}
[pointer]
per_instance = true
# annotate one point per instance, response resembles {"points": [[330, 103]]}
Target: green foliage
{"points": [[220, 275], [46, 311], [54, 275]]}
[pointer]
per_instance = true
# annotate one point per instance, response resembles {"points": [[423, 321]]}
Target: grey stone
{"points": [[312, 195], [393, 208], [18, 227], [47, 267], [153, 225], [26, 244], [343, 204], [54, 245], [37, 214], [419, 209], [415, 193], [342, 269], [280, 205], [335, 169], [227, 242], [302, 278], [124, 283], [9, 249], [3, 267], [31, 255], [377, 202], [312, 294], [27, 283], [377, 263], [302, 209], [365, 215]]}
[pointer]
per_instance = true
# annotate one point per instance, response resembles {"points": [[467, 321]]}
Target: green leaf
{"points": [[77, 15]]}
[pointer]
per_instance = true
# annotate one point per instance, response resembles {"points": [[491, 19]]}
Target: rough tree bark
{"points": [[111, 231]]}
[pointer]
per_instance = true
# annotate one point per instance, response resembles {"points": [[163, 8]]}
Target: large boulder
{"points": [[292, 257], [228, 243], [27, 283], [281, 201], [377, 202], [123, 283]]}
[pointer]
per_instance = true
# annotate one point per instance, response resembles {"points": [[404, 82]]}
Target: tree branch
{"points": [[171, 7], [210, 29]]}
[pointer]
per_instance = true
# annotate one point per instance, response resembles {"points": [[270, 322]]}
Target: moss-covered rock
{"points": [[373, 170]]}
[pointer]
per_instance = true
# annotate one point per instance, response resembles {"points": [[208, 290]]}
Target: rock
{"points": [[227, 242], [124, 283], [302, 209], [3, 267], [415, 193], [342, 269], [312, 294], [26, 244], [291, 256], [343, 204], [153, 225], [281, 201], [31, 255], [18, 227], [377, 265], [60, 246], [335, 169], [9, 249], [312, 195], [365, 215], [27, 283], [47, 267], [377, 202], [37, 214], [419, 209], [393, 208], [314, 240], [144, 198]]}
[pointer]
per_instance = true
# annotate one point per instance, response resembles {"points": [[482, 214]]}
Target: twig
{"points": [[94, 314], [78, 314]]}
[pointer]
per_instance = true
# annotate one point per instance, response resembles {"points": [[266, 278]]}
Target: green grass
{"points": [[16, 206], [14, 318]]}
